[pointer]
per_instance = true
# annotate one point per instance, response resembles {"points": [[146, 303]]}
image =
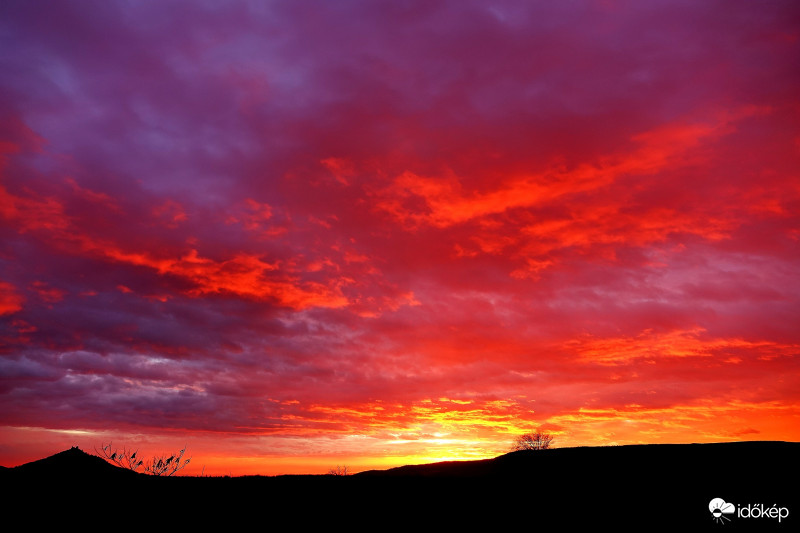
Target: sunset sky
{"points": [[295, 234]]}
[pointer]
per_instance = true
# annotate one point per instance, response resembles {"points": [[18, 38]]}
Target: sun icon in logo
{"points": [[719, 508]]}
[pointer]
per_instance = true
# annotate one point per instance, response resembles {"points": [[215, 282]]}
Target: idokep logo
{"points": [[719, 508]]}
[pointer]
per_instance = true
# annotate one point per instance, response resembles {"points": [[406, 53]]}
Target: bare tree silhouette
{"points": [[338, 471], [536, 440], [157, 466]]}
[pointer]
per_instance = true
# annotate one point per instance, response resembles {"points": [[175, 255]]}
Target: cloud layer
{"points": [[397, 231]]}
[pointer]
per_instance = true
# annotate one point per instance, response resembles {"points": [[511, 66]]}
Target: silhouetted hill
{"points": [[670, 482], [627, 487], [655, 457], [70, 464]]}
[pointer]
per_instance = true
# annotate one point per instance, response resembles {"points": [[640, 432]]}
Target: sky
{"points": [[295, 235]]}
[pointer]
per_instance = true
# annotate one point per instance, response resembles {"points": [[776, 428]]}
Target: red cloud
{"points": [[445, 204], [10, 300]]}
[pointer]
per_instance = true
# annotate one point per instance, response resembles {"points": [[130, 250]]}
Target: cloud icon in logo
{"points": [[719, 507]]}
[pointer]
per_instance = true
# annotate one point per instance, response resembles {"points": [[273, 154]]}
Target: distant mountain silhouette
{"points": [[617, 486], [70, 464]]}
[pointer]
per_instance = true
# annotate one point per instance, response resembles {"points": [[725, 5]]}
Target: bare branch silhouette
{"points": [[536, 440], [338, 471], [157, 466], [124, 458], [166, 466]]}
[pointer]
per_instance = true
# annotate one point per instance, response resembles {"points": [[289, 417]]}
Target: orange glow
{"points": [[428, 432], [649, 345], [704, 422]]}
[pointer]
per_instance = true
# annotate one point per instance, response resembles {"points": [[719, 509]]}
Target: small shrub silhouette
{"points": [[159, 465], [339, 471]]}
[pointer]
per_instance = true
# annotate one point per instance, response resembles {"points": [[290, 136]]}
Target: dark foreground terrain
{"points": [[630, 488]]}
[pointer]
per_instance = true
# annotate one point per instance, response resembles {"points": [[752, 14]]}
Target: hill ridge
{"points": [[628, 485]]}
